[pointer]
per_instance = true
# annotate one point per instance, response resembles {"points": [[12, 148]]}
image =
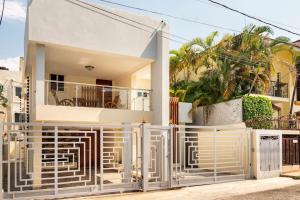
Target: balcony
{"points": [[96, 96], [276, 89]]}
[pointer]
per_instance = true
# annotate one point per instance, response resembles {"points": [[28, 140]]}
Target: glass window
{"points": [[19, 117], [18, 91], [57, 82]]}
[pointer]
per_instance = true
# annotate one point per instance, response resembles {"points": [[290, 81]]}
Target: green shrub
{"points": [[257, 112]]}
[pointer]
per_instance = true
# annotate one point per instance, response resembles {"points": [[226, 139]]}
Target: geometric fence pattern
{"points": [[59, 160]]}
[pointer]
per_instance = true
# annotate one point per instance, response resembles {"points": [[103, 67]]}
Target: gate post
{"points": [[215, 155], [145, 156], [1, 160], [127, 152], [55, 161], [170, 144]]}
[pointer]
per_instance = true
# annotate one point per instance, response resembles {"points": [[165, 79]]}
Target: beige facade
{"points": [[13, 91]]}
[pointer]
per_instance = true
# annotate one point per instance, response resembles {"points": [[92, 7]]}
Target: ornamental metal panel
{"points": [[47, 160], [269, 149]]}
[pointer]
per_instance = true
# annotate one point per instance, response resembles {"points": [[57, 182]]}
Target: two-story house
{"points": [[93, 64]]}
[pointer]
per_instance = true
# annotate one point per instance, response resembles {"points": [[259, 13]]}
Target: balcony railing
{"points": [[276, 89], [97, 96]]}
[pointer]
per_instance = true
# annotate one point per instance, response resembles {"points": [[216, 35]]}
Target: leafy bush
{"points": [[257, 112]]}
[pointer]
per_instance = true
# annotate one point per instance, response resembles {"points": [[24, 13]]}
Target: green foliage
{"points": [[3, 99], [257, 112], [237, 65]]}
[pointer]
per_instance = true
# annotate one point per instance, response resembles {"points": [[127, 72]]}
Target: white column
{"points": [[40, 63], [127, 152], [160, 82]]}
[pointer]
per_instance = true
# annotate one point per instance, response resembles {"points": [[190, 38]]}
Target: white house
{"points": [[12, 86], [88, 63]]}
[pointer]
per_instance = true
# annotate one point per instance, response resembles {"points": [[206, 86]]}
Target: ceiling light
{"points": [[89, 67]]}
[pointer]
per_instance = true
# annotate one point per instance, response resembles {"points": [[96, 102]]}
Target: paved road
{"points": [[224, 191], [289, 193]]}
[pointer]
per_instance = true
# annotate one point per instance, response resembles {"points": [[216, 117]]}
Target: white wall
{"points": [[230, 112], [65, 23]]}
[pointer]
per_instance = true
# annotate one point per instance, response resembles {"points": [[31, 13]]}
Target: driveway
{"points": [[223, 191]]}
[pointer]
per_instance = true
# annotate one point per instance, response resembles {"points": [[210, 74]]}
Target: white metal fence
{"points": [[58, 160]]}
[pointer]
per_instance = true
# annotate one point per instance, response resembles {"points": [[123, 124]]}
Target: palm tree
{"points": [[235, 66]]}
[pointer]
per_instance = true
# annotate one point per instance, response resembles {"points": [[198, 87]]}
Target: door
{"points": [[269, 153], [104, 94], [290, 150]]}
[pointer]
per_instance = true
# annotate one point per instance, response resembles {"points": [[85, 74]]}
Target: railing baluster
{"points": [[76, 95], [56, 160]]}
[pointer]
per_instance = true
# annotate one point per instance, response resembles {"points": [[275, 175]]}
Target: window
{"points": [[19, 117], [57, 82], [18, 91], [298, 88]]}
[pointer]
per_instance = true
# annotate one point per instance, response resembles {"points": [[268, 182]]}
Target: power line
{"points": [[255, 18], [191, 20], [273, 21], [169, 15], [2, 13], [239, 59]]}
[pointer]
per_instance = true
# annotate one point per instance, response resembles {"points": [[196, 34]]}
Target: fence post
{"points": [[56, 160], [76, 95], [127, 152], [215, 155], [145, 156], [249, 149], [170, 144], [1, 160]]}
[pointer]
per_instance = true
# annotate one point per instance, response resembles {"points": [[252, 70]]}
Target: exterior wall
{"points": [[283, 63], [94, 31], [230, 112], [90, 115], [10, 80], [184, 115]]}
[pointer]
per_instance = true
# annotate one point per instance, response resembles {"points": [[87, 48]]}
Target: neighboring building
{"points": [[87, 63], [11, 81], [283, 83]]}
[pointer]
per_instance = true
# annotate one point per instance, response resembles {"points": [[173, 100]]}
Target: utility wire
{"points": [[273, 21], [2, 12], [245, 61], [255, 18], [191, 20], [170, 16]]}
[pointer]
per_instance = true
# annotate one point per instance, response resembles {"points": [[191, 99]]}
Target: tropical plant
{"points": [[3, 99], [257, 112], [237, 65]]}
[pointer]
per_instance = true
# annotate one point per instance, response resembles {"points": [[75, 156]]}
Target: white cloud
{"points": [[12, 64], [14, 10]]}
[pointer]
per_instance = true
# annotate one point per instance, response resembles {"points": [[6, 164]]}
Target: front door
{"points": [[104, 94]]}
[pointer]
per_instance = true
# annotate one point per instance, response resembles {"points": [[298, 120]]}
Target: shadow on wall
{"points": [[150, 50]]}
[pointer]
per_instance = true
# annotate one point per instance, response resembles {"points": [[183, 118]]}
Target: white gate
{"points": [[59, 160], [205, 155]]}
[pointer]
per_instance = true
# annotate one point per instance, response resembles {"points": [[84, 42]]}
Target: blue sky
{"points": [[280, 12]]}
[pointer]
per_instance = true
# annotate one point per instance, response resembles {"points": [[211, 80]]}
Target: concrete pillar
{"points": [[38, 75], [36, 157], [160, 82], [40, 62], [127, 152]]}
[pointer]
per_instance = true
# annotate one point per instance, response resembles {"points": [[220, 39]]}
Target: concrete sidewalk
{"points": [[206, 192]]}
